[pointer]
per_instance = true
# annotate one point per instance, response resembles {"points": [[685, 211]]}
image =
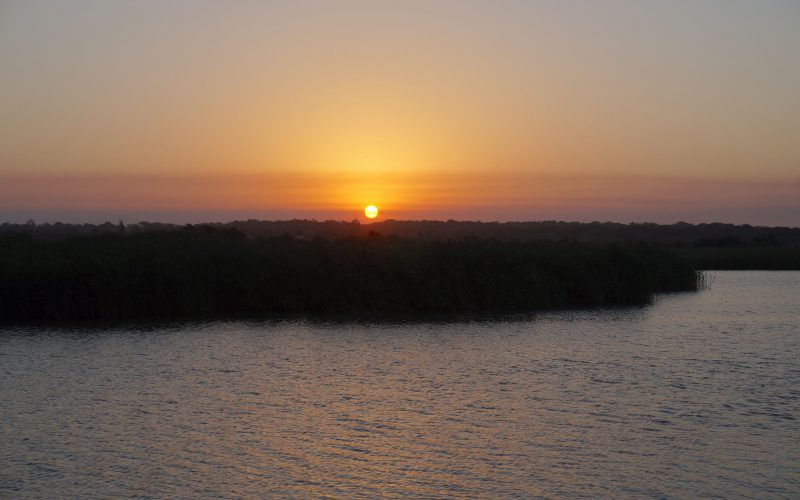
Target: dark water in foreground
{"points": [[696, 395]]}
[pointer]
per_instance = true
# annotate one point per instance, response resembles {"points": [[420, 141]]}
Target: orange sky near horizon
{"points": [[482, 110], [420, 196]]}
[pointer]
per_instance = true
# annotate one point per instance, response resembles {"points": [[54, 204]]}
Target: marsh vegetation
{"points": [[210, 271]]}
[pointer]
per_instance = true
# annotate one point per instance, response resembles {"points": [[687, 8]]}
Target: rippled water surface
{"points": [[697, 394]]}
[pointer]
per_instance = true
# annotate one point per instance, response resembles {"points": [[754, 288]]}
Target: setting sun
{"points": [[371, 211]]}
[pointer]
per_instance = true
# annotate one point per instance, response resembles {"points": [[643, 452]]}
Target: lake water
{"points": [[698, 394]]}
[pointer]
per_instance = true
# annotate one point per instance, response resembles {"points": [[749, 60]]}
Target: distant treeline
{"points": [[204, 271], [775, 258], [678, 235]]}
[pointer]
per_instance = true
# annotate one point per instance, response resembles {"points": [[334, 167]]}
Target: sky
{"points": [[190, 111]]}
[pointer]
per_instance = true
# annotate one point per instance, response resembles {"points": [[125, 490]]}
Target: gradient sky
{"points": [[494, 110]]}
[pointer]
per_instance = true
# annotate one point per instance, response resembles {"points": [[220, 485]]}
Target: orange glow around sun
{"points": [[371, 211]]}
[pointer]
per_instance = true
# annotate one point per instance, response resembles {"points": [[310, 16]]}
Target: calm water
{"points": [[698, 394]]}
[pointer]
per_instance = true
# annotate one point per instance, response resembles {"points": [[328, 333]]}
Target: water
{"points": [[696, 395]]}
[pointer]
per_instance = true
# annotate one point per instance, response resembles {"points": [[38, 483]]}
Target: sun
{"points": [[371, 211]]}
